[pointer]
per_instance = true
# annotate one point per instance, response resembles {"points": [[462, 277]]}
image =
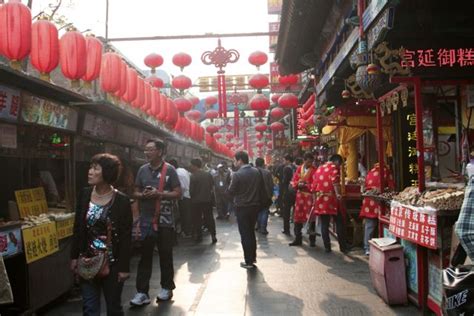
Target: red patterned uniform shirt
{"points": [[324, 179], [304, 197], [371, 208]]}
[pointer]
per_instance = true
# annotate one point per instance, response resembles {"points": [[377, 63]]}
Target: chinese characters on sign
{"points": [[64, 227], [31, 202], [273, 28], [412, 225], [275, 84], [274, 6], [300, 128], [412, 153], [444, 57], [40, 241], [9, 103]]}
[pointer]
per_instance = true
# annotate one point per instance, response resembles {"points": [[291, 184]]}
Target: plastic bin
{"points": [[387, 271]]}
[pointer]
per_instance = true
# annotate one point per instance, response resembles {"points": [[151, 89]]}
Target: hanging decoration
{"points": [[211, 115], [94, 49], [153, 61], [220, 57], [258, 59], [288, 101], [277, 113], [44, 54], [72, 56], [110, 72], [182, 60]]}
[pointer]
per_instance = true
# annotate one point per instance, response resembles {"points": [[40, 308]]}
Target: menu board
{"points": [[64, 228], [47, 113], [126, 135], [31, 202], [10, 100], [8, 136], [414, 225], [99, 127], [40, 241]]}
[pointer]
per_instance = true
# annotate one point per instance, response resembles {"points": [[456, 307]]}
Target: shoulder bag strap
{"points": [[156, 216]]}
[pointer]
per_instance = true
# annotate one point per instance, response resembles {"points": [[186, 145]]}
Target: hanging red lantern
{"points": [[140, 99], [218, 136], [259, 102], [269, 136], [194, 115], [277, 113], [163, 108], [212, 129], [277, 127], [182, 60], [153, 61], [181, 83], [259, 136], [261, 127], [73, 56], [260, 113], [210, 101], [258, 81], [288, 101], [155, 82], [132, 79], [123, 80], [155, 105], [229, 136], [289, 80], [44, 47], [110, 72], [275, 97], [194, 100], [94, 59], [15, 31], [174, 114], [183, 105], [258, 58], [260, 144], [148, 99], [211, 114], [229, 145]]}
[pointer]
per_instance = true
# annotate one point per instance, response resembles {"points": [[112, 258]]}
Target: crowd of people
{"points": [[109, 222]]}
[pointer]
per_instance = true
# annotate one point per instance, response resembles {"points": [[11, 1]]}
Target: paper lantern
{"points": [[211, 129], [210, 101], [183, 105], [261, 127], [289, 80], [258, 58], [181, 82], [275, 97], [73, 56], [194, 100], [288, 101], [182, 60], [94, 58], [153, 61], [277, 113], [259, 103], [44, 47], [155, 82], [123, 80], [132, 81], [110, 72], [277, 127], [258, 81], [211, 114], [194, 115]]}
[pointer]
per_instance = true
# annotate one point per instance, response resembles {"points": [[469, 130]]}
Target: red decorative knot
{"points": [[153, 61], [277, 127], [182, 60], [277, 113], [288, 101], [220, 57], [259, 103]]}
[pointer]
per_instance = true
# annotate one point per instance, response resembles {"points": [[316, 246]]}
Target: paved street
{"points": [[288, 281]]}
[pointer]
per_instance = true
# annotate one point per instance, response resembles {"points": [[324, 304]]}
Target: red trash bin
{"points": [[387, 271]]}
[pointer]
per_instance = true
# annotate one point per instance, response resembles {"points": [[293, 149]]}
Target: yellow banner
{"points": [[64, 227], [40, 241], [31, 202]]}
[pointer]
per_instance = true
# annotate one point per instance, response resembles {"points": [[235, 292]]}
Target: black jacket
{"points": [[201, 187], [244, 187], [121, 219]]}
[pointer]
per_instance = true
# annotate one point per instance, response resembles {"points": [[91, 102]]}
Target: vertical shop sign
{"points": [[64, 227], [10, 101], [274, 27], [31, 202], [300, 128], [274, 6], [40, 241], [414, 225]]}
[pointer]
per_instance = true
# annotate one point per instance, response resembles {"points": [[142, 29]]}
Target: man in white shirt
{"points": [[185, 201]]}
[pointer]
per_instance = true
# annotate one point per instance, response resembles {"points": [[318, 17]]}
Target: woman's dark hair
{"points": [[111, 166], [196, 162], [309, 156], [298, 161], [242, 155], [336, 158]]}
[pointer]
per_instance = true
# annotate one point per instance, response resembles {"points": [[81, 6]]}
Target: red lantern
{"points": [[277, 113], [260, 144], [229, 136], [132, 80], [289, 80], [259, 136], [153, 61], [194, 100], [210, 101], [258, 58], [163, 108], [155, 105], [181, 82], [140, 99], [259, 113], [155, 82], [183, 105], [269, 136], [73, 56], [148, 99], [94, 58], [44, 47], [288, 101], [110, 72], [15, 31], [259, 102], [194, 115], [275, 97], [229, 145], [261, 127], [123, 80], [212, 129], [211, 114], [218, 136], [259, 81], [277, 127], [182, 60]]}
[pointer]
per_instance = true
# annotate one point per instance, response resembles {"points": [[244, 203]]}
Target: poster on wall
{"points": [[10, 242], [44, 112], [10, 100], [8, 136], [409, 249]]}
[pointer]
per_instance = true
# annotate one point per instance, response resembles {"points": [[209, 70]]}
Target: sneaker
{"points": [[247, 265], [140, 299], [165, 295], [367, 253], [214, 239], [296, 242]]}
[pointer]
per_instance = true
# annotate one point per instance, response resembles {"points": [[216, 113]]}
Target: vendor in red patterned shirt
{"points": [[302, 182], [326, 185], [370, 208]]}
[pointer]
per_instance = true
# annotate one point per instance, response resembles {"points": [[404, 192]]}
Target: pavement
{"points": [[287, 281]]}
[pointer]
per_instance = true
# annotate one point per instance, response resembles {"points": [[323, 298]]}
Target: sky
{"points": [[175, 17]]}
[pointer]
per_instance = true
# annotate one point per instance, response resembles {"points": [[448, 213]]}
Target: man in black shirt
{"points": [[202, 195], [288, 196]]}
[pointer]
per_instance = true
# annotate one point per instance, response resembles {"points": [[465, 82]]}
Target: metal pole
{"points": [[381, 147], [106, 21], [175, 37]]}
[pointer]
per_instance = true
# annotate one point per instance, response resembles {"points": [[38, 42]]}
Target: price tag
{"points": [[64, 227], [40, 241], [31, 202]]}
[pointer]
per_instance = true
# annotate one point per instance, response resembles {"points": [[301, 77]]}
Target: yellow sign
{"points": [[64, 227], [31, 202], [40, 241]]}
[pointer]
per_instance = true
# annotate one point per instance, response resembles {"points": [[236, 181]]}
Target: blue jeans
{"points": [[262, 220], [112, 289], [370, 225]]}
